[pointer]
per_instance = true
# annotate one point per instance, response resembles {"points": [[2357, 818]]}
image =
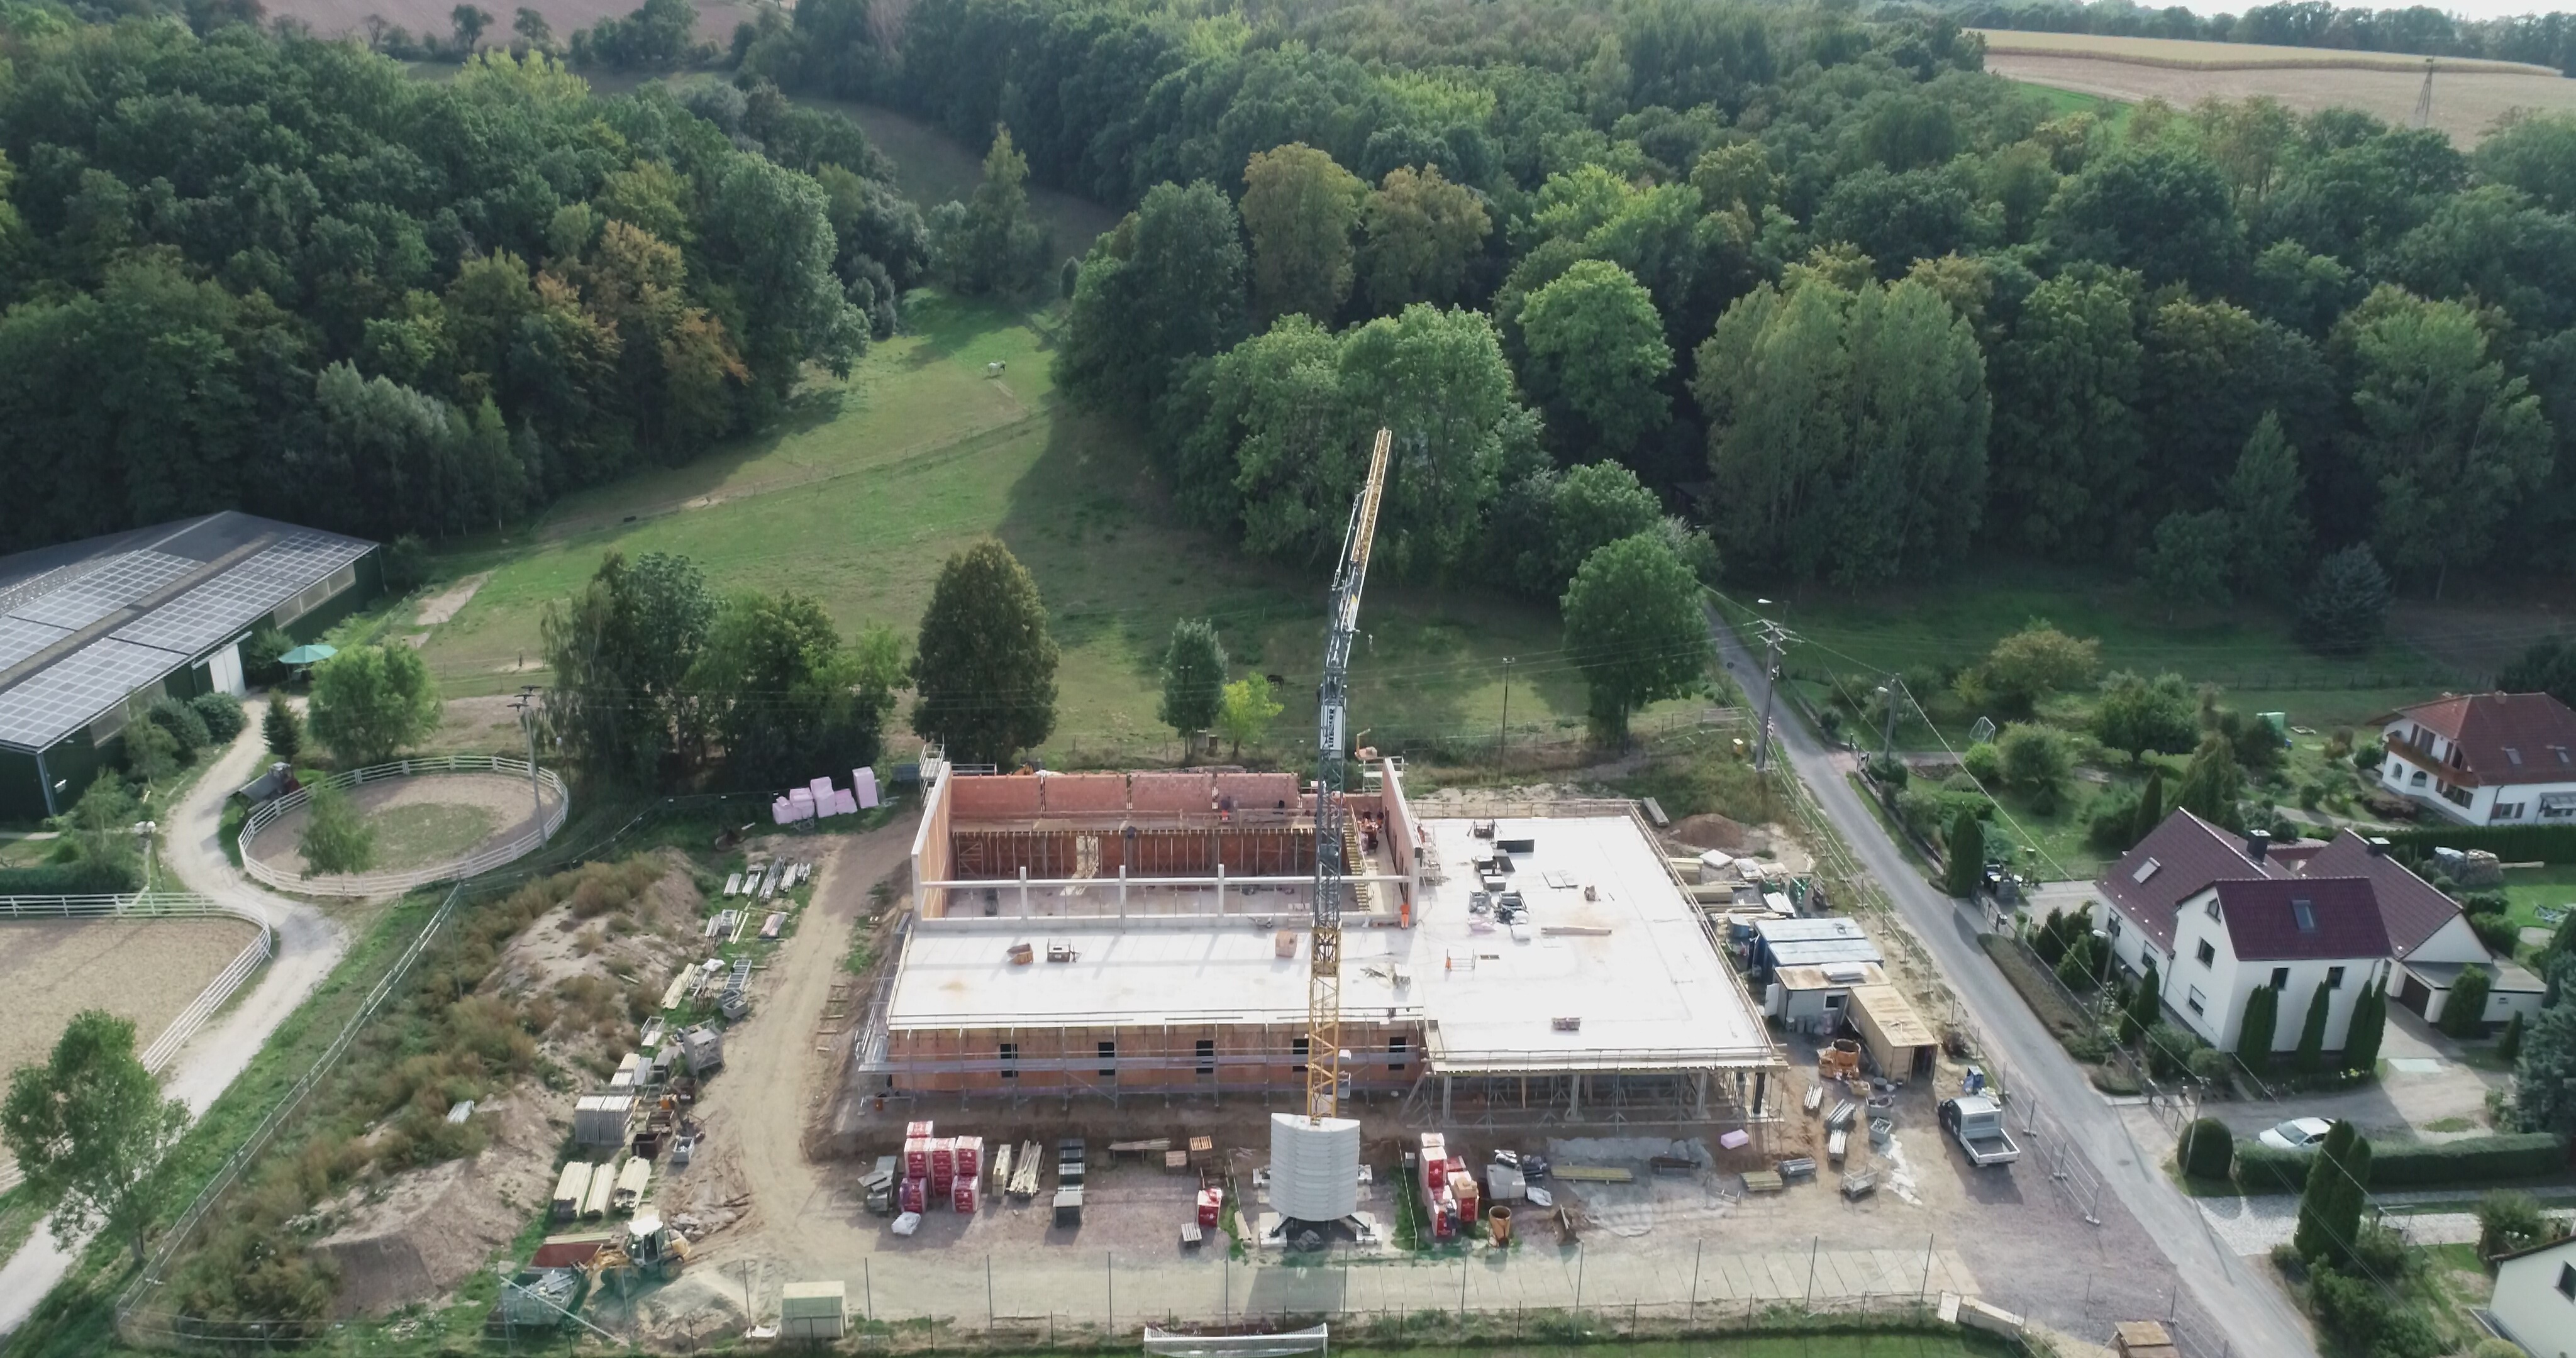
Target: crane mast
{"points": [[1324, 986]]}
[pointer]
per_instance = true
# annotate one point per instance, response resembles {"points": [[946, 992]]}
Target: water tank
{"points": [[1314, 1167]]}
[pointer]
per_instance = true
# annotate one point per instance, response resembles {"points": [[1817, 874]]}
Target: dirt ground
{"points": [[505, 798], [479, 726], [2466, 104], [145, 970]]}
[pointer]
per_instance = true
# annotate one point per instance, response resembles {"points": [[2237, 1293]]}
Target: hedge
{"points": [[2511, 843], [2521, 1155], [68, 879]]}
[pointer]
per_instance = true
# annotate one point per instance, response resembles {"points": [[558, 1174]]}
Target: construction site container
{"points": [[571, 1187], [631, 1183], [626, 1072], [600, 1119], [808, 1311], [603, 1186], [1898, 1041]]}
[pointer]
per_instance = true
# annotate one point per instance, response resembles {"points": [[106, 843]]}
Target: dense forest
{"points": [[280, 274], [1818, 281], [2542, 39]]}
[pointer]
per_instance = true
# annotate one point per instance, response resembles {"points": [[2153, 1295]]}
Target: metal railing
{"points": [[157, 905], [557, 806]]}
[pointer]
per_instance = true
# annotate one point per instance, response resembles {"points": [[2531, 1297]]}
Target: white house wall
{"points": [[2453, 942], [2529, 1307], [2409, 781], [2226, 984]]}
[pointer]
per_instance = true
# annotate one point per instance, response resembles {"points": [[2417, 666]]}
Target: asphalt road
{"points": [[309, 943], [2252, 1314]]}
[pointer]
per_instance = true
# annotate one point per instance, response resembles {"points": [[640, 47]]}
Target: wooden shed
{"points": [[1901, 1045]]}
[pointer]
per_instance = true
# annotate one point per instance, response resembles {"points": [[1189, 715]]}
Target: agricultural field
{"points": [[860, 495], [2468, 96]]}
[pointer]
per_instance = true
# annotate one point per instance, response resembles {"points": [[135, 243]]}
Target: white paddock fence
{"points": [[558, 804], [158, 905]]}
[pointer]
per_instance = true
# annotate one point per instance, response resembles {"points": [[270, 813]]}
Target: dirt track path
{"points": [[773, 1081]]}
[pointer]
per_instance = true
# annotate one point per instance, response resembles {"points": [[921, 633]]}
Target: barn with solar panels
{"points": [[92, 632]]}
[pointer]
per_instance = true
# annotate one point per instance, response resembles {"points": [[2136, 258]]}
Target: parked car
{"points": [[2297, 1134]]}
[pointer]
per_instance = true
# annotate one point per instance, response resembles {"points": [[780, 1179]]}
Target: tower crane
{"points": [[1332, 702]]}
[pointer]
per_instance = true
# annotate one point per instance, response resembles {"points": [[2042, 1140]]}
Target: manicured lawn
{"points": [[2530, 889]]}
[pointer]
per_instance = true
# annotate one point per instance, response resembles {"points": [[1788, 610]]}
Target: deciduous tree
{"points": [[777, 686], [336, 839], [2188, 564], [2212, 783], [370, 702], [1247, 711], [621, 652], [2136, 714], [1597, 345], [1298, 207], [985, 668], [88, 1129], [1193, 678], [1418, 234], [1634, 630]]}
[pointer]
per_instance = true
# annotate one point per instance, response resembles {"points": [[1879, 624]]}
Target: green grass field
{"points": [[873, 482], [2531, 889], [2067, 103]]}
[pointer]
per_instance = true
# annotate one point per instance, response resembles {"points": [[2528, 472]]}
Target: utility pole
{"points": [[1503, 728], [1774, 636], [525, 706]]}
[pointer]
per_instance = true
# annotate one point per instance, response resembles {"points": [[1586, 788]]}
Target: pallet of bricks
{"points": [[947, 1170], [1449, 1196]]}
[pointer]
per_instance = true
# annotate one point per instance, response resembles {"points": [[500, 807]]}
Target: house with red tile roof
{"points": [[2484, 758], [2292, 934]]}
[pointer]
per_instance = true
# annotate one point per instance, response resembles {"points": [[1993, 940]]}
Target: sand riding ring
{"points": [[436, 818]]}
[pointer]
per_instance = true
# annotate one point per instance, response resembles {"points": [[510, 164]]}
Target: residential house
{"points": [[2484, 758], [2162, 895], [2535, 1298], [2291, 934]]}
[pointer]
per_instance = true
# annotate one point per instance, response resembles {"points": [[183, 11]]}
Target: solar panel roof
{"points": [[82, 597]]}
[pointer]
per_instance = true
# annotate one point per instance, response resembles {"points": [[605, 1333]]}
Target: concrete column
{"points": [[1446, 1081], [1024, 893], [1573, 1096], [1699, 1089], [1220, 888], [1122, 891], [1761, 1081]]}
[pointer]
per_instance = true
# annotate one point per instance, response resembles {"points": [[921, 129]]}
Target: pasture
{"points": [[2468, 96]]}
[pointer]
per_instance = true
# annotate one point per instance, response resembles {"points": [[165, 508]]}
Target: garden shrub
{"points": [[2206, 1149], [2262, 1169], [2517, 1155], [2370, 1321], [183, 724], [2209, 1064], [222, 714], [1983, 762]]}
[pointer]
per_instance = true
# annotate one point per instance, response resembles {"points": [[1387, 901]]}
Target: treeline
{"points": [[1854, 304], [2542, 39], [278, 274]]}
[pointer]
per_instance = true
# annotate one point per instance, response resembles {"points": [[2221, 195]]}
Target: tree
{"points": [[621, 651], [281, 730], [88, 1129], [2544, 1079], [2368, 1027], [2146, 1007], [2189, 563], [532, 28], [1193, 678], [2267, 522], [2547, 666], [2451, 439], [1247, 711], [2212, 783], [2206, 1149], [369, 702], [1633, 627], [1418, 233], [1165, 287], [2136, 714], [470, 22], [1587, 508], [2151, 807], [1596, 344], [2310, 1057], [2030, 665], [2346, 603], [2464, 1014], [1966, 868], [2262, 1023], [777, 686], [992, 243], [2156, 207], [336, 838], [102, 824], [1298, 207], [2035, 757], [2337, 1189], [985, 667], [151, 752], [2069, 442], [2509, 1042], [2536, 153]]}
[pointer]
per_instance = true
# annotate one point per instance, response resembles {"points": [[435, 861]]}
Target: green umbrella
{"points": [[314, 654]]}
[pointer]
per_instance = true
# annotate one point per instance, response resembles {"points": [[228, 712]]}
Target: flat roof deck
{"points": [[1649, 990]]}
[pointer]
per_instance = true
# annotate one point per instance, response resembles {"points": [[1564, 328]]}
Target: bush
{"points": [[222, 714], [2262, 1169], [2500, 935], [2112, 821], [79, 877], [2380, 1252], [259, 656], [2508, 1222], [2512, 843], [2517, 1155], [336, 838], [2206, 1150], [1983, 762], [2208, 1065], [2366, 1318], [183, 724], [2170, 1049], [2034, 757], [2465, 1013], [406, 564]]}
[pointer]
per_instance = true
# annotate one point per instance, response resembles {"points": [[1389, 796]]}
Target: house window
{"points": [[2458, 795], [2418, 779], [1399, 1051], [1298, 1045], [2513, 756], [2507, 811], [1834, 1001], [1010, 1060], [2115, 926], [2196, 1000], [2305, 914], [1109, 1058], [2208, 954], [1207, 1055], [2567, 1281], [2280, 978], [2211, 909], [2334, 978]]}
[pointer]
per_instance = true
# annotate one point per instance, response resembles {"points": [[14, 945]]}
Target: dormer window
{"points": [[2513, 756], [2145, 870], [2561, 752], [2305, 914]]}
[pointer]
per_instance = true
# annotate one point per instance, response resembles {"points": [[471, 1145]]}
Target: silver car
{"points": [[2297, 1134]]}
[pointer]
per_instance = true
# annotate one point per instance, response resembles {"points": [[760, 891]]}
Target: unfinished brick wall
{"points": [[1238, 1056]]}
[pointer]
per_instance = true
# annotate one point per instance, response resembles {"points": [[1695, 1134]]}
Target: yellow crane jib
{"points": [[1332, 732]]}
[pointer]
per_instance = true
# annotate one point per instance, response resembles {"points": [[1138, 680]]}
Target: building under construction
{"points": [[1109, 935]]}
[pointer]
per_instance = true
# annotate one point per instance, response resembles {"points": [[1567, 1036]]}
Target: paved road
{"points": [[309, 944], [2253, 1313]]}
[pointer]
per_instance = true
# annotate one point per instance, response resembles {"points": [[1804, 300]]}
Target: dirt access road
{"points": [[309, 944]]}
